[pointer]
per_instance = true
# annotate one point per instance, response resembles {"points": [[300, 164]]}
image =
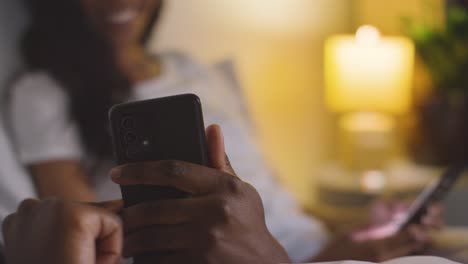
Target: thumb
{"points": [[216, 150]]}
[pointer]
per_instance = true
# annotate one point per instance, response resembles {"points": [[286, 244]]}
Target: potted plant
{"points": [[441, 134]]}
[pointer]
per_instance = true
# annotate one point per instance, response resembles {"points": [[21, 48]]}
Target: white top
{"points": [[15, 183], [44, 131]]}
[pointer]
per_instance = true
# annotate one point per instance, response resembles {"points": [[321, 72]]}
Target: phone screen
{"points": [[434, 192]]}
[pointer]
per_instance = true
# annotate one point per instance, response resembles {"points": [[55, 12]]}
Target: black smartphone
{"points": [[434, 192], [168, 128]]}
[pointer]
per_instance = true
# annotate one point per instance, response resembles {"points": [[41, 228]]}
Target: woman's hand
{"points": [[383, 212], [56, 232], [223, 220], [382, 239], [386, 216]]}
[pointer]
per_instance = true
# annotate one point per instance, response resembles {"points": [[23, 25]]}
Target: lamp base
{"points": [[366, 140]]}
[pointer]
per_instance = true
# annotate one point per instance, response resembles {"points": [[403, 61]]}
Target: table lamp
{"points": [[368, 79]]}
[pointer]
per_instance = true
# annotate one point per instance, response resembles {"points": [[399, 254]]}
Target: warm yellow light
{"points": [[367, 35], [366, 122], [373, 181], [368, 72]]}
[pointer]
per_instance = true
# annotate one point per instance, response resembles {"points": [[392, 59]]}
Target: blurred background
{"points": [[279, 50], [286, 50]]}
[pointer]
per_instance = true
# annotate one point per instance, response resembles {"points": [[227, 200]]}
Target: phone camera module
{"points": [[128, 123]]}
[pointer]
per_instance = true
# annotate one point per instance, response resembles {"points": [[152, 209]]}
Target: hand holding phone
{"points": [[399, 225], [222, 220], [184, 203], [433, 193]]}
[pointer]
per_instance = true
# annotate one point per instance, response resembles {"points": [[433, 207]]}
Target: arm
{"points": [[46, 138], [62, 179]]}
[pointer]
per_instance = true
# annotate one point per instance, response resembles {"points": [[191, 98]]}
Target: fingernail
{"points": [[116, 174]]}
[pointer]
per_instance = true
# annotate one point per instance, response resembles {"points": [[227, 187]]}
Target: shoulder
{"points": [[221, 74], [181, 64], [187, 65], [218, 82], [36, 95], [37, 84], [36, 91]]}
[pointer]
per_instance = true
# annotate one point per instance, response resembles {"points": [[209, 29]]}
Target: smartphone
{"points": [[434, 192], [168, 128]]}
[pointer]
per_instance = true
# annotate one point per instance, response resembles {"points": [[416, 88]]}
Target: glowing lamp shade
{"points": [[368, 72]]}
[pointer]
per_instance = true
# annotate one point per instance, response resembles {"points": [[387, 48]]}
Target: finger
{"points": [[8, 227], [380, 212], [215, 144], [401, 207], [162, 212], [216, 149], [158, 238], [435, 210], [114, 206], [188, 177], [203, 210], [433, 218], [109, 240], [418, 234], [433, 222], [27, 206]]}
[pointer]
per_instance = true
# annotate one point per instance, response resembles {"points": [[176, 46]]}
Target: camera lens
{"points": [[130, 138], [128, 123]]}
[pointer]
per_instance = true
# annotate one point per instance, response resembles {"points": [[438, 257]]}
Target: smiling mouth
{"points": [[123, 17]]}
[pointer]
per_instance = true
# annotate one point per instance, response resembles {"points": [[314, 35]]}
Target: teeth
{"points": [[122, 17]]}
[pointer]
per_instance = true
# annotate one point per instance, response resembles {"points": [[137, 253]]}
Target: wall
{"points": [[277, 45], [387, 14]]}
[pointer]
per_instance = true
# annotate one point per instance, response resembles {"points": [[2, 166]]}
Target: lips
{"points": [[123, 16]]}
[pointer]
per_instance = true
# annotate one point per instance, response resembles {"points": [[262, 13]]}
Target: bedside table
{"points": [[343, 197]]}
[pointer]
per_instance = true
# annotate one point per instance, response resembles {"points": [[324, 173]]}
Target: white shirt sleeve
{"points": [[40, 123]]}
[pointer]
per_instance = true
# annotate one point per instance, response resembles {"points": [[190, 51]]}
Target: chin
{"points": [[122, 39]]}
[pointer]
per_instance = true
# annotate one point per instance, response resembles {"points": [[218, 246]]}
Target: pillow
{"points": [[15, 183]]}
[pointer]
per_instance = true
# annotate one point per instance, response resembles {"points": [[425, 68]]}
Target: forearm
{"points": [[62, 179], [67, 189]]}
